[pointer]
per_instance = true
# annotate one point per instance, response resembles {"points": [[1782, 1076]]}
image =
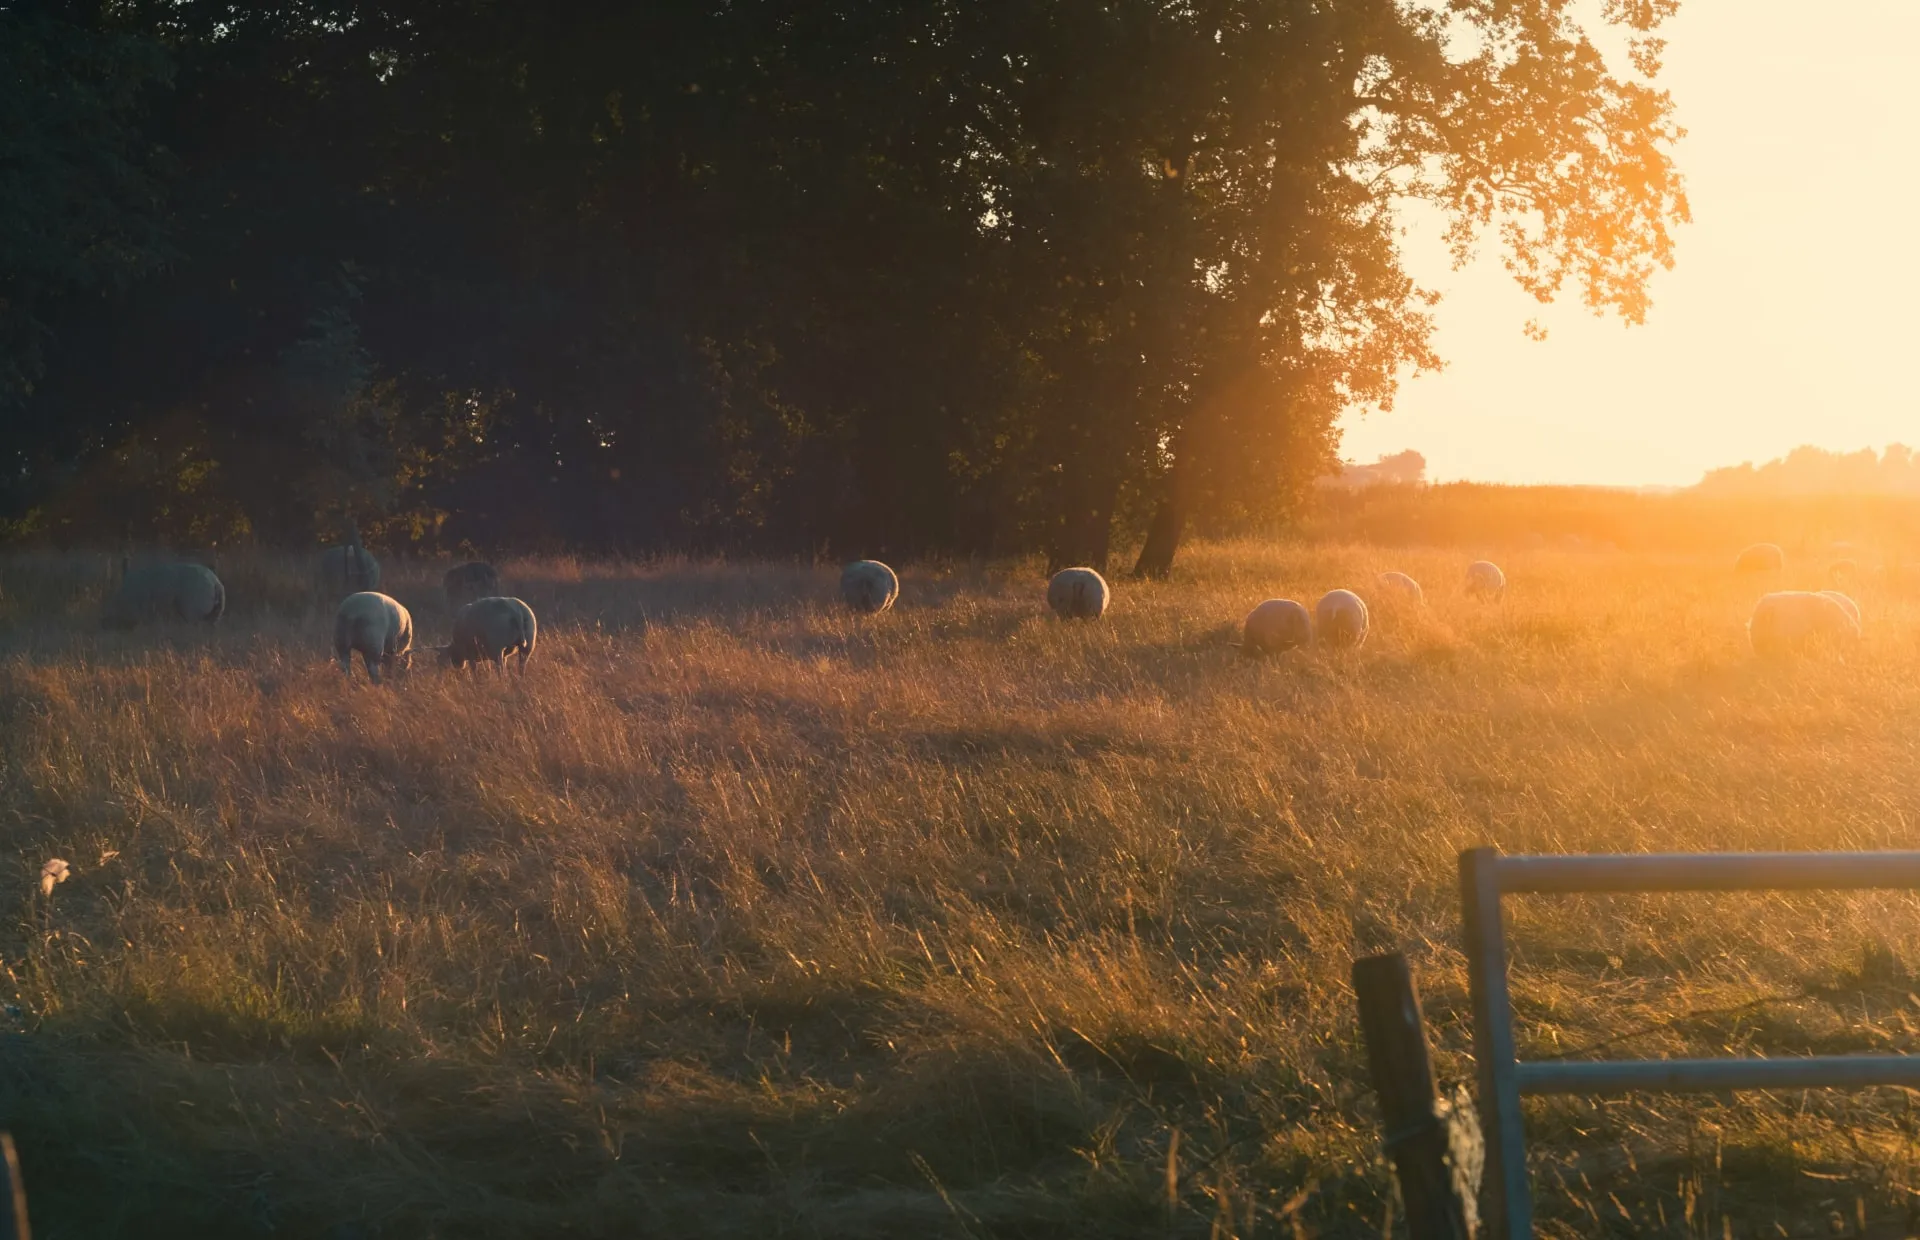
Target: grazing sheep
{"points": [[1853, 608], [1078, 594], [1403, 585], [1485, 578], [490, 629], [376, 626], [1789, 621], [1760, 558], [165, 592], [1340, 618], [468, 582], [1276, 625], [346, 570], [869, 586]]}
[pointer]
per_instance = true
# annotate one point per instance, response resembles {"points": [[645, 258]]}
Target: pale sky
{"points": [[1790, 316]]}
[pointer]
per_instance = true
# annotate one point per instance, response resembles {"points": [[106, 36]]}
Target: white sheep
{"points": [[1846, 601], [378, 628], [165, 592], [1276, 625], [1760, 558], [1485, 578], [1078, 594], [1403, 585], [346, 570], [466, 582], [1788, 621], [490, 629], [1340, 619], [869, 586]]}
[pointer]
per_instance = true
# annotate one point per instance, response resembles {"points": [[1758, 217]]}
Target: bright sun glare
{"points": [[1789, 317]]}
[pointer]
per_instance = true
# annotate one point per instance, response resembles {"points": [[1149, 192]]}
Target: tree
{"points": [[877, 276]]}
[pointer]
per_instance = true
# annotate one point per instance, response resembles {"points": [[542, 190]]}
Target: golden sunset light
{"points": [[757, 619], [1789, 318]]}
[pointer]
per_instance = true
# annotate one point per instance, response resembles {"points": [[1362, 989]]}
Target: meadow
{"points": [[741, 915]]}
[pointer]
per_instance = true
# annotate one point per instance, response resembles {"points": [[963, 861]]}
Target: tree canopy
{"points": [[872, 277]]}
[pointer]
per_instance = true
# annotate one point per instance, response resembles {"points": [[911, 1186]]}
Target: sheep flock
{"points": [[488, 626]]}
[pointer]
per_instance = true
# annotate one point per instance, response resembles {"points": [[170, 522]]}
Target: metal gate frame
{"points": [[1486, 875]]}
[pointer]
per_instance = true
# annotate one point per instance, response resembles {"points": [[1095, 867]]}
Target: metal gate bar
{"points": [[1485, 876]]}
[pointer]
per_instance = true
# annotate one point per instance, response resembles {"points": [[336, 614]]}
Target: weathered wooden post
{"points": [[1428, 1142], [13, 1217]]}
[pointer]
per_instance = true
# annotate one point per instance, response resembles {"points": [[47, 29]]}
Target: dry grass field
{"points": [[742, 916]]}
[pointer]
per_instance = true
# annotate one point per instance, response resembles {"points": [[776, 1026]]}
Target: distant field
{"points": [[740, 915]]}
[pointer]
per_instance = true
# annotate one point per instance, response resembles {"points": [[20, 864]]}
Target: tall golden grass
{"points": [[741, 915]]}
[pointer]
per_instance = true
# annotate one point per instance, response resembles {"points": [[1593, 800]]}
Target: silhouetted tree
{"points": [[872, 277]]}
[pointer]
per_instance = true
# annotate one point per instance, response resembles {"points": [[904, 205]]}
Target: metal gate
{"points": [[1486, 875]]}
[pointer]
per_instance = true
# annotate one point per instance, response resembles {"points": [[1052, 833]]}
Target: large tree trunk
{"points": [[1169, 525]]}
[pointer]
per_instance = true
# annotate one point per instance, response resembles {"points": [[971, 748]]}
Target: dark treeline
{"points": [[865, 277]]}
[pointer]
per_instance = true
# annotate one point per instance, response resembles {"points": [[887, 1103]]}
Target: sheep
{"points": [[1078, 594], [1485, 578], [163, 592], [467, 582], [1853, 608], [1788, 621], [1340, 618], [1403, 585], [347, 569], [1840, 572], [869, 586], [1760, 558], [491, 629], [1276, 625], [376, 626]]}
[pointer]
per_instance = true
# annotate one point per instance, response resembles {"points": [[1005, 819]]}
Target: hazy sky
{"points": [[1790, 316]]}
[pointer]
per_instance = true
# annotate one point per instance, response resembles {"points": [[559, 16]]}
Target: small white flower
{"points": [[53, 872]]}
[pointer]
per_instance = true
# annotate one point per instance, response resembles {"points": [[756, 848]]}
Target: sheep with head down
{"points": [[1078, 594], [1403, 586], [488, 630], [375, 627], [156, 592], [1760, 558], [1275, 626], [1485, 580], [1789, 622], [1340, 619], [869, 586]]}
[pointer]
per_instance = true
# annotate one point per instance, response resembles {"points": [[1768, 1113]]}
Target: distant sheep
{"points": [[1340, 619], [350, 569], [378, 628], [1404, 586], [1484, 578], [1853, 608], [489, 629], [1760, 558], [467, 582], [1790, 621], [1842, 572], [1277, 625], [165, 592], [1078, 594], [869, 586]]}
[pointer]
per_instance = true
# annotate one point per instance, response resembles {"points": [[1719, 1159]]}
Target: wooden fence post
{"points": [[13, 1212], [1437, 1186]]}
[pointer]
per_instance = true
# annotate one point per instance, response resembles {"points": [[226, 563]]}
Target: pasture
{"points": [[741, 914]]}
